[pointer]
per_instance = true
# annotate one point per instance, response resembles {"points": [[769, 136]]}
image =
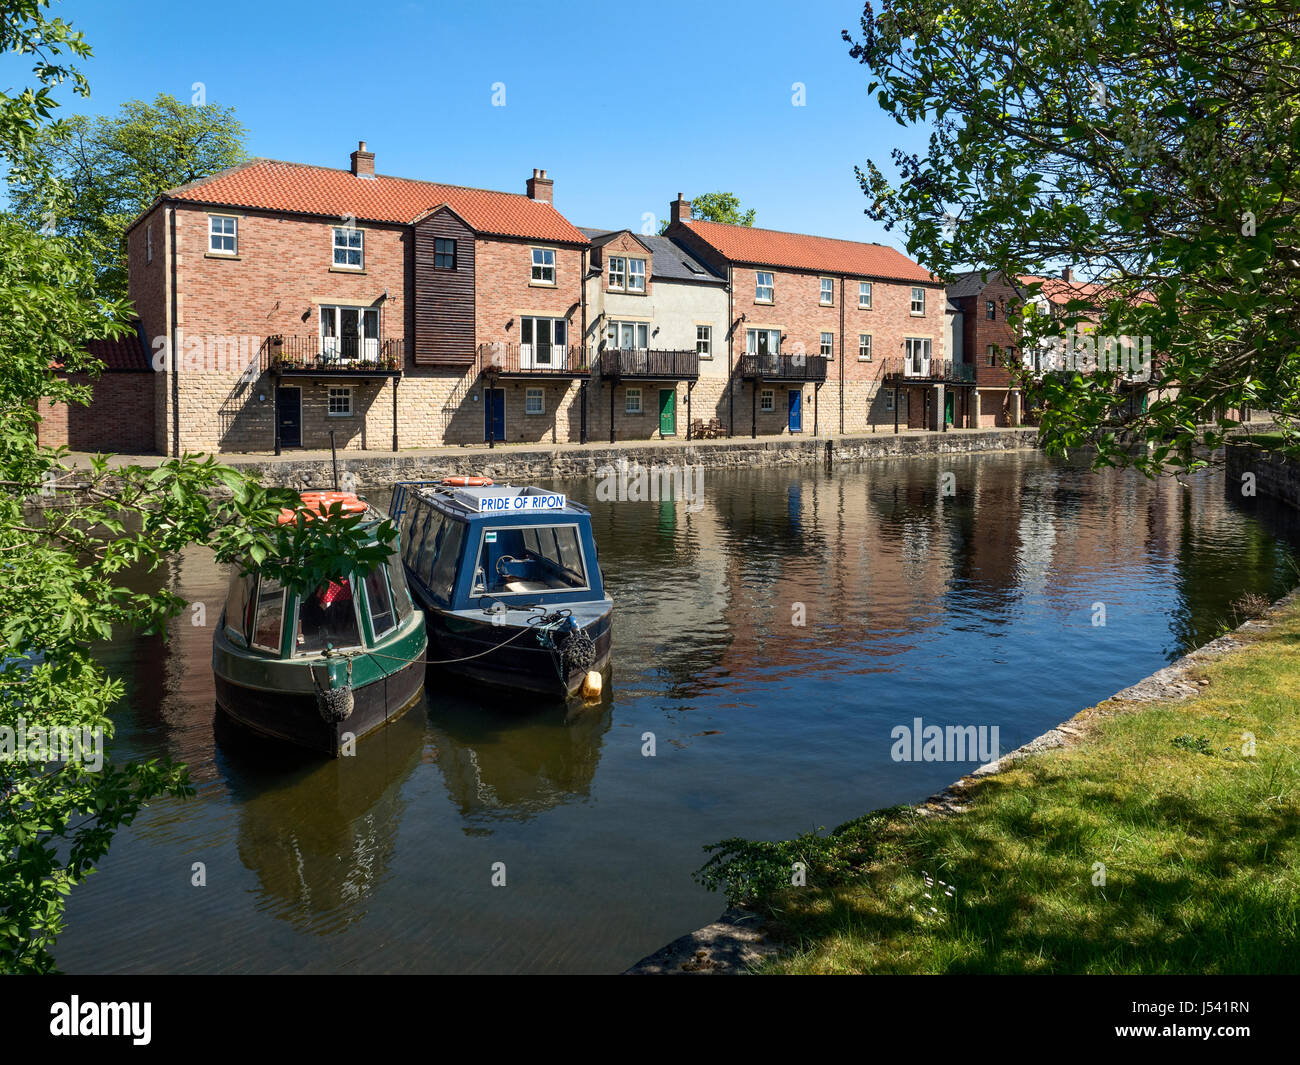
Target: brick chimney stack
{"points": [[1067, 274], [363, 162], [679, 210], [540, 187]]}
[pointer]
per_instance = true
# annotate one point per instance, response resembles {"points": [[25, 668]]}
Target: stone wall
{"points": [[1275, 476]]}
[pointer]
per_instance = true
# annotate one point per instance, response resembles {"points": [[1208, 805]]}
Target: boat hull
{"points": [[521, 665]]}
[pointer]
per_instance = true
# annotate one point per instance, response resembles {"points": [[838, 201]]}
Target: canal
{"points": [[766, 643]]}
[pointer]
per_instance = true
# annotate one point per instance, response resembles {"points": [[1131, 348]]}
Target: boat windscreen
{"points": [[237, 603], [380, 602], [327, 618], [269, 616], [397, 583], [535, 558]]}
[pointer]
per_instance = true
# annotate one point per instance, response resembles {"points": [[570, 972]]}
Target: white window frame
{"points": [[215, 234], [342, 393], [528, 349], [630, 407], [616, 330], [704, 341], [826, 291], [862, 346], [990, 310], [991, 355], [864, 295], [544, 261], [636, 278], [916, 356], [367, 349], [760, 288], [751, 341], [617, 273], [767, 401], [826, 345], [348, 248], [918, 297], [538, 394]]}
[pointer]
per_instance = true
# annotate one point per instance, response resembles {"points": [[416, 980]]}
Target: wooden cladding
{"points": [[444, 298]]}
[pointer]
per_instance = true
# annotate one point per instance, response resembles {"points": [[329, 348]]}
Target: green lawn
{"points": [[1201, 850]]}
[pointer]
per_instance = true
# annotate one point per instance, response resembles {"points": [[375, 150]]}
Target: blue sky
{"points": [[623, 104]]}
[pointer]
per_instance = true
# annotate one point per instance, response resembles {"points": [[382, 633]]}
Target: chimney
{"points": [[539, 186], [679, 210], [1067, 274], [363, 162]]}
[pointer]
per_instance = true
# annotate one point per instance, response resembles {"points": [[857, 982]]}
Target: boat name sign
{"points": [[520, 503]]}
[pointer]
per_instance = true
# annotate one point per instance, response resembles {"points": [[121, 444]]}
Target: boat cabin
{"points": [[349, 613], [520, 546]]}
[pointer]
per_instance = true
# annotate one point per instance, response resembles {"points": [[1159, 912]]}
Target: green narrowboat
{"points": [[322, 668]]}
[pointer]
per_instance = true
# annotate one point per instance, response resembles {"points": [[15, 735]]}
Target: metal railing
{"points": [[533, 359], [783, 367], [650, 363], [936, 370], [347, 355]]}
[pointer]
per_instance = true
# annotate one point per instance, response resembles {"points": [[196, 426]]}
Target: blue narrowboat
{"points": [[509, 582]]}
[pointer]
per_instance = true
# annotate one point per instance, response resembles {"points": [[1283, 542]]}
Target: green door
{"points": [[668, 412], [947, 407]]}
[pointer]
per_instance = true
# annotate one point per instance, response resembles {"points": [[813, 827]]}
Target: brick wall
{"points": [[120, 417]]}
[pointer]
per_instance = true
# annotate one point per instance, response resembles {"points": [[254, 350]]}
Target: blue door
{"points": [[796, 410], [494, 414]]}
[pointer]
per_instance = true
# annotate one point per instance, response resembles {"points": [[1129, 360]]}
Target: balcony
{"points": [[783, 367], [648, 364], [314, 356], [934, 371], [533, 360]]}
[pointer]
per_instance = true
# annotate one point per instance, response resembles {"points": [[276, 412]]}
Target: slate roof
{"points": [[799, 251], [673, 261], [272, 185]]}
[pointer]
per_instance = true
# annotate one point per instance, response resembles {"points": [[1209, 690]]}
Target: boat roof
{"points": [[497, 501]]}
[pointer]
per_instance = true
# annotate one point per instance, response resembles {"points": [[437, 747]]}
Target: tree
{"points": [[718, 207], [1155, 144], [62, 565], [110, 168]]}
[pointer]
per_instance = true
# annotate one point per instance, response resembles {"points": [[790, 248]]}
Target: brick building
{"points": [[120, 415]]}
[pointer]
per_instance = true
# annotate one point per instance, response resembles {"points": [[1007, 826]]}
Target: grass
{"points": [[1200, 845]]}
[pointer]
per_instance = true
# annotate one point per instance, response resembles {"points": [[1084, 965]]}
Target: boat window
{"points": [[410, 522], [328, 618], [237, 604], [416, 537], [397, 583], [546, 558], [443, 578], [269, 619], [429, 550], [381, 603]]}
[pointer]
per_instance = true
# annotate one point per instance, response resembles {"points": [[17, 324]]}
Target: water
{"points": [[971, 610]]}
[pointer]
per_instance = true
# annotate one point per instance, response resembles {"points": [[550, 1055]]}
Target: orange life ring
{"points": [[466, 482], [317, 503]]}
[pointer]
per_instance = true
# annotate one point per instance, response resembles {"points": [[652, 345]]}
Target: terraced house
{"points": [[826, 328]]}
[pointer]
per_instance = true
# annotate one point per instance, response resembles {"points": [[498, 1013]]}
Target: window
{"points": [[543, 342], [827, 291], [617, 272], [993, 355], [704, 341], [382, 617], [530, 559], [828, 345], [444, 253], [889, 399], [443, 576], [340, 402], [864, 295], [348, 250], [764, 289], [767, 400], [918, 301], [763, 341], [401, 598], [148, 243], [328, 619], [533, 402], [627, 336], [864, 347], [268, 619], [223, 235], [348, 334], [916, 353], [237, 603], [632, 405], [991, 309], [543, 266], [636, 275]]}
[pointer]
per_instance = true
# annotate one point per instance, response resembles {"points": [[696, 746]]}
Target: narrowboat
{"points": [[510, 584], [316, 668]]}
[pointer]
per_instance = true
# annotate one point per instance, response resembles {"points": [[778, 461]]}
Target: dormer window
{"points": [[349, 248], [636, 275], [617, 272]]}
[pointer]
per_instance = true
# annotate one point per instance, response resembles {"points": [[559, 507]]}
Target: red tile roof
{"points": [[271, 185], [126, 353], [769, 247], [1058, 290]]}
